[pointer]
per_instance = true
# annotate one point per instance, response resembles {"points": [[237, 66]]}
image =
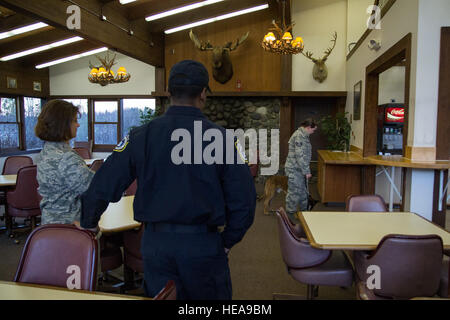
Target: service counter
{"points": [[341, 174]]}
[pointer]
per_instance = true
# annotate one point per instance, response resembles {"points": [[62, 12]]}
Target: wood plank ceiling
{"points": [[144, 43]]}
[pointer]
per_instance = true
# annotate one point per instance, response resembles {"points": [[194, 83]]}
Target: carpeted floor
{"points": [[257, 268]]}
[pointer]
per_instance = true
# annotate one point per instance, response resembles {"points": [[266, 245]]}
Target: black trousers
{"points": [[195, 261]]}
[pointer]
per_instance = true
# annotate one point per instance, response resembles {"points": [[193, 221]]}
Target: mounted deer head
{"points": [[222, 68], [320, 70]]}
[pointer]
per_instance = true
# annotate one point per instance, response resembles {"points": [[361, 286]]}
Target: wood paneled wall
{"points": [[25, 77], [257, 69]]}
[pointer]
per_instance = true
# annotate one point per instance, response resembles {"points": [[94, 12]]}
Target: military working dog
{"points": [[277, 184]]}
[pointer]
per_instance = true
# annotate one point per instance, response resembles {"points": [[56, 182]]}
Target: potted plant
{"points": [[337, 130]]}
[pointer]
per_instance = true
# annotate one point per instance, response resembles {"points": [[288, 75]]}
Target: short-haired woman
{"points": [[61, 173]]}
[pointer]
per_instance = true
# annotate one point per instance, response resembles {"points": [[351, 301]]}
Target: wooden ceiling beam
{"points": [[59, 53], [15, 21], [143, 45], [33, 41]]}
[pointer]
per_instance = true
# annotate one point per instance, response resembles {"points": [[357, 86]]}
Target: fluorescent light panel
{"points": [[20, 30], [181, 9], [41, 48], [77, 56], [126, 1], [222, 17]]}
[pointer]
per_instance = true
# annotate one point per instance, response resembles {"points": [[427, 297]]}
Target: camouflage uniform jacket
{"points": [[62, 176], [299, 155]]}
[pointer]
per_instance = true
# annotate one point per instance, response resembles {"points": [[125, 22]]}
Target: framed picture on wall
{"points": [[357, 101], [11, 83], [37, 86]]}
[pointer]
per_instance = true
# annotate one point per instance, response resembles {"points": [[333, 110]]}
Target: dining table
{"points": [[335, 230]]}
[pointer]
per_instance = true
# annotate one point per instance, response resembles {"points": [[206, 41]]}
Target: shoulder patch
{"points": [[122, 144], [240, 151]]}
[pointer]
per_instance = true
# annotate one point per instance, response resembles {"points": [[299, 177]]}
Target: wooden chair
{"points": [[169, 292], [365, 203], [24, 200], [55, 254], [83, 152]]}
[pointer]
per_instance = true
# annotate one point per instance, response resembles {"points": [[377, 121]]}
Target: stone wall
{"points": [[241, 113]]}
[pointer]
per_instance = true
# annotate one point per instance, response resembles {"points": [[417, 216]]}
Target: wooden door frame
{"points": [[396, 54]]}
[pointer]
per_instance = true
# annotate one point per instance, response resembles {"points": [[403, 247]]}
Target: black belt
{"points": [[179, 228]]}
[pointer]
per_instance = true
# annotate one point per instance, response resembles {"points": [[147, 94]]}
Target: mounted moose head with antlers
{"points": [[320, 70], [222, 67]]}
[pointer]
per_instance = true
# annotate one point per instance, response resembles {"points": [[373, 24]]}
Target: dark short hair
{"points": [[54, 121], [308, 123], [185, 92]]}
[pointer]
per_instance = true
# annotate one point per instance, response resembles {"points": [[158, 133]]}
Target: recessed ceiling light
{"points": [[181, 9], [77, 56], [41, 48], [126, 1], [222, 17], [20, 30]]}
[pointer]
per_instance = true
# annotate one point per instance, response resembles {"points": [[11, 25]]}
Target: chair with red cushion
{"points": [[169, 292], [310, 266], [409, 266], [83, 152], [365, 203], [24, 200], [11, 166], [85, 145], [96, 165], [131, 190], [56, 254], [132, 261]]}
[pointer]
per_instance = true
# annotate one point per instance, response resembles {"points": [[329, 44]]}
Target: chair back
{"points": [[25, 196], [56, 254], [83, 152], [365, 203], [132, 249], [131, 190], [96, 165], [297, 252], [410, 265], [169, 292], [85, 145], [14, 163]]}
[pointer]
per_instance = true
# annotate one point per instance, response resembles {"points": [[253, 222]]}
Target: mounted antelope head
{"points": [[222, 68], [320, 70]]}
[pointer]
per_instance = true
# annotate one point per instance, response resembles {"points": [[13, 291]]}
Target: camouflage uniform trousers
{"points": [[297, 194]]}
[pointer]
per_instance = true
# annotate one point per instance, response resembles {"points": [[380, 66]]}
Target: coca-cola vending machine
{"points": [[391, 118]]}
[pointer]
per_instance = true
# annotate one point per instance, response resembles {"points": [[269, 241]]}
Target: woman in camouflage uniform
{"points": [[297, 168], [61, 173]]}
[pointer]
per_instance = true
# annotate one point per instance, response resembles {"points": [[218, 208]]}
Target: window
{"points": [[132, 109], [32, 110], [9, 124], [83, 130], [106, 122]]}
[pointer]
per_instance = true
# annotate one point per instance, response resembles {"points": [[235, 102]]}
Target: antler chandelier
{"points": [[284, 44], [103, 75]]}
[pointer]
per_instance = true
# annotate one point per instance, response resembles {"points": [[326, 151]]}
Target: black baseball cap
{"points": [[189, 73]]}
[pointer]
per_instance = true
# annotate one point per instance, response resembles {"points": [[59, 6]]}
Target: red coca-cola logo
{"points": [[398, 112], [395, 115]]}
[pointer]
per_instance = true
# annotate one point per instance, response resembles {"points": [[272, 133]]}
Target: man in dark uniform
{"points": [[181, 205]]}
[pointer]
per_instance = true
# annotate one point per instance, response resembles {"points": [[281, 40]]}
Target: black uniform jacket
{"points": [[208, 194]]}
